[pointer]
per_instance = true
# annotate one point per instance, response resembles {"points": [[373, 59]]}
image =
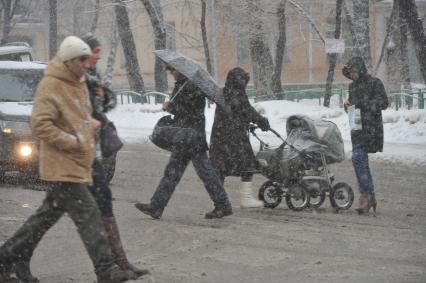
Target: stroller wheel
{"points": [[297, 198], [316, 193], [341, 196], [271, 194]]}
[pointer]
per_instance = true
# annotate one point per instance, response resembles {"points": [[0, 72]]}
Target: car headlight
{"points": [[25, 150], [20, 128]]}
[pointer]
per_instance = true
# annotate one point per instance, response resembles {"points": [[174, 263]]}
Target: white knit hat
{"points": [[73, 47]]}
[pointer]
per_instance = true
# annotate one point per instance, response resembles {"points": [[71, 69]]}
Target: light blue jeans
{"points": [[362, 171]]}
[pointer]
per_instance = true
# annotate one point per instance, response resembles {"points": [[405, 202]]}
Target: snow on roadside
{"points": [[405, 130]]}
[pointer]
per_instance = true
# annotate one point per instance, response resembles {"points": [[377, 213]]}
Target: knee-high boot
{"points": [[118, 252], [247, 200]]}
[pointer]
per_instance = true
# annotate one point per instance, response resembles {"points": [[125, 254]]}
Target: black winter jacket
{"points": [[188, 110], [368, 94], [230, 149]]}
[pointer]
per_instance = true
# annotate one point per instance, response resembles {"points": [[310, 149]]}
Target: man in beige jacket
{"points": [[62, 121]]}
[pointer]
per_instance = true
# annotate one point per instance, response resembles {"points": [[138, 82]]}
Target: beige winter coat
{"points": [[61, 119]]}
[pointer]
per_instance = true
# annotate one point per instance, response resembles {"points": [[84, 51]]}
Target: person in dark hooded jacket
{"points": [[230, 149], [368, 94]]}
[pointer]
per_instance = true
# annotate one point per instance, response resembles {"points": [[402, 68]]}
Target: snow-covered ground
{"points": [[405, 130]]}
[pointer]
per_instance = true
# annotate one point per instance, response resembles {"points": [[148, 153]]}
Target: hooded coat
{"points": [[368, 94], [230, 149], [61, 120]]}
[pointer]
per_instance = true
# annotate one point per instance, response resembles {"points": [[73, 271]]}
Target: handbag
{"points": [[110, 142], [167, 135]]}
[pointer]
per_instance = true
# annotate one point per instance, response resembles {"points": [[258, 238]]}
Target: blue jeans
{"points": [[362, 171]]}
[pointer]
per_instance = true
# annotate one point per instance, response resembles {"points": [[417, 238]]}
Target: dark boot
{"points": [[364, 203], [23, 272], [373, 203], [117, 250], [149, 210], [5, 274], [219, 212], [114, 275]]}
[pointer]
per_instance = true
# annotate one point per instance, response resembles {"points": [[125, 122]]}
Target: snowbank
{"points": [[405, 130]]}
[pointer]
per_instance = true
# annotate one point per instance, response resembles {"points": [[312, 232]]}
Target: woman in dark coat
{"points": [[230, 149], [368, 94]]}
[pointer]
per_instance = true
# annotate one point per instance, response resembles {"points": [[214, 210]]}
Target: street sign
{"points": [[333, 45]]}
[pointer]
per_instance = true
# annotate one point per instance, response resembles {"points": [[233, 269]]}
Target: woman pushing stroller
{"points": [[230, 149]]}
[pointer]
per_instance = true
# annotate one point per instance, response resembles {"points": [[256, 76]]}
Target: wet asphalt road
{"points": [[256, 245]]}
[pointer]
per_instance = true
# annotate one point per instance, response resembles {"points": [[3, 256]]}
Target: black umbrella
{"points": [[193, 72]]}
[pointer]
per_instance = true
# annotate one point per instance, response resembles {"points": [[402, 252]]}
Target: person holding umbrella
{"points": [[187, 105], [230, 149]]}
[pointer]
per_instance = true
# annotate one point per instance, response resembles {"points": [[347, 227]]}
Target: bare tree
{"points": [[397, 68], [109, 71], [129, 48], [53, 27], [409, 13], [8, 9], [389, 30], [153, 8], [280, 49], [332, 58], [96, 16], [204, 36], [259, 51], [361, 25]]}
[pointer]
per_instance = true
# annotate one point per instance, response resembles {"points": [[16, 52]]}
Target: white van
{"points": [[23, 53]]}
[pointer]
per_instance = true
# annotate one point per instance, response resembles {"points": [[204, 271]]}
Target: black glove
{"points": [[263, 124]]}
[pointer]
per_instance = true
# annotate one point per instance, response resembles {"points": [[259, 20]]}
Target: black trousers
{"points": [[100, 189], [62, 197], [173, 173]]}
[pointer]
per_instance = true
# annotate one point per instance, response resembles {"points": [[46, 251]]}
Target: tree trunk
{"points": [[280, 50], [409, 13], [259, 52], [95, 17], [9, 7], [129, 48], [109, 71], [396, 53], [53, 28], [153, 8], [204, 36], [405, 65], [389, 30], [332, 58], [361, 26]]}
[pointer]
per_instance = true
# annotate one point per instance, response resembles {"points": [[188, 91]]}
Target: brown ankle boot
{"points": [[118, 252], [364, 203]]}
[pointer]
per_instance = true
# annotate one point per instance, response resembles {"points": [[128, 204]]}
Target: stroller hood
{"points": [[316, 135]]}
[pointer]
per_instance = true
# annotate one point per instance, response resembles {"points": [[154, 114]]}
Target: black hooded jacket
{"points": [[368, 94], [230, 149]]}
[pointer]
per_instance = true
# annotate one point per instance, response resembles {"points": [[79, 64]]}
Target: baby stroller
{"points": [[297, 169]]}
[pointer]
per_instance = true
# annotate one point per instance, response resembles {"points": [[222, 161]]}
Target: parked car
{"points": [[18, 148], [22, 52]]}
